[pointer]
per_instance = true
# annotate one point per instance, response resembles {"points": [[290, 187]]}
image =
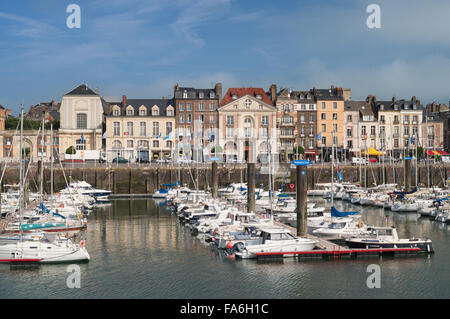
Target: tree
{"points": [[299, 150], [71, 150], [420, 152]]}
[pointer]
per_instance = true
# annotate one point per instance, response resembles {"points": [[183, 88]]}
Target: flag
{"points": [[412, 140], [211, 138], [319, 136], [167, 137], [159, 135], [82, 137]]}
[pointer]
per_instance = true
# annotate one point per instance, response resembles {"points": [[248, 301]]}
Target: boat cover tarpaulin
{"points": [[336, 213], [373, 152]]}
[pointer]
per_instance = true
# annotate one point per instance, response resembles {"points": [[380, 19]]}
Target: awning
{"points": [[436, 152], [314, 152], [373, 152]]}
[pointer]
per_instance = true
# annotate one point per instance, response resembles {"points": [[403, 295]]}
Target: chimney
{"points": [[124, 101], [97, 90], [314, 92], [218, 90], [273, 92], [175, 88]]}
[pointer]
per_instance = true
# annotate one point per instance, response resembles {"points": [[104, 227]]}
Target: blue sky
{"points": [[141, 48]]}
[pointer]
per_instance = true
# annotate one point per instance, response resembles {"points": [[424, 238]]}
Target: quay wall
{"points": [[124, 180]]}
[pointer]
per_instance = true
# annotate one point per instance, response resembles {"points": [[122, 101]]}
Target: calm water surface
{"points": [[139, 250]]}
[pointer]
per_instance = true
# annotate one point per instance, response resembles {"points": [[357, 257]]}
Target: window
{"points": [[265, 132], [349, 144], [169, 112], [335, 128], [324, 127], [181, 118], [247, 131], [143, 112], [363, 131], [181, 106], [168, 128], [311, 107], [142, 144], [415, 119], [302, 130], [116, 112], [201, 106], [349, 118], [311, 130], [247, 103], [323, 106], [349, 132], [155, 112], [130, 112], [323, 116], [130, 144], [303, 106], [130, 128], [155, 128], [396, 143], [311, 143], [372, 130], [189, 118], [211, 95], [334, 116], [406, 130], [230, 120], [211, 106], [81, 121], [188, 106], [311, 119], [265, 120], [335, 140], [334, 105], [324, 140], [382, 118], [230, 132], [143, 127], [156, 143], [81, 145], [200, 95], [116, 126], [184, 94], [202, 118], [211, 119]]}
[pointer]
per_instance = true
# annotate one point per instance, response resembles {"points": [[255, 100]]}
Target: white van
{"points": [[358, 160]]}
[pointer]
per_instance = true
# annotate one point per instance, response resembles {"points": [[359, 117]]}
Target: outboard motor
{"points": [[238, 247]]}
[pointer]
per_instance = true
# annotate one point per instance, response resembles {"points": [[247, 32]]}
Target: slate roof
{"points": [[82, 89], [354, 105], [240, 92], [401, 104], [301, 96], [194, 94], [328, 94], [148, 103]]}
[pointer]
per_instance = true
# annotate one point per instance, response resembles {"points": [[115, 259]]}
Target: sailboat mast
{"points": [[428, 159], [332, 164], [51, 160], [21, 177], [41, 186]]}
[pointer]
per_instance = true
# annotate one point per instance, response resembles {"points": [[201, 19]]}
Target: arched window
{"points": [[117, 145], [81, 121]]}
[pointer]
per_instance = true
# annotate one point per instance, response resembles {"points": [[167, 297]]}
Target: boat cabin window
{"points": [[337, 225], [384, 232]]}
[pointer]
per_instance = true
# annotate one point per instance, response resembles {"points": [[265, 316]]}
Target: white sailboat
{"points": [[44, 250]]}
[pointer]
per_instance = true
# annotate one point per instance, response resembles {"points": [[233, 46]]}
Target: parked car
{"points": [[120, 160], [372, 160]]}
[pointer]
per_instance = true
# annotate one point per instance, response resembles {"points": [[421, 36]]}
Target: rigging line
{"points": [[12, 146]]}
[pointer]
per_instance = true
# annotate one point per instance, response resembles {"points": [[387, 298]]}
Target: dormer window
{"points": [[155, 112], [200, 95], [184, 94], [169, 112], [259, 96], [234, 96], [142, 112], [211, 95], [130, 112], [116, 112]]}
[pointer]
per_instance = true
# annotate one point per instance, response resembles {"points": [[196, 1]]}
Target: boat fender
{"points": [[361, 224], [82, 243], [230, 244]]}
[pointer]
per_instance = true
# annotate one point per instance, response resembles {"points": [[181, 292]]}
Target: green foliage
{"points": [[420, 151], [299, 150], [12, 122], [71, 150]]}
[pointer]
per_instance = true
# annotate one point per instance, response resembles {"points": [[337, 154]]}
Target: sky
{"points": [[141, 48]]}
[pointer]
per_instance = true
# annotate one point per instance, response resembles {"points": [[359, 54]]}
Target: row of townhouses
{"points": [[244, 124]]}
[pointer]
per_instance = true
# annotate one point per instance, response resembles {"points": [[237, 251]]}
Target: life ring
{"points": [[82, 243]]}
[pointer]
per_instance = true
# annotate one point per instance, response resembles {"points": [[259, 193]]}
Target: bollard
{"points": [[301, 180], [407, 173]]}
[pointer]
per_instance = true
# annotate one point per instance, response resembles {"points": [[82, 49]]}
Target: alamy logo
{"points": [[374, 280], [74, 19], [74, 279], [374, 19]]}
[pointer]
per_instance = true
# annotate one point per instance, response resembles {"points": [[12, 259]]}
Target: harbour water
{"points": [[139, 249]]}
